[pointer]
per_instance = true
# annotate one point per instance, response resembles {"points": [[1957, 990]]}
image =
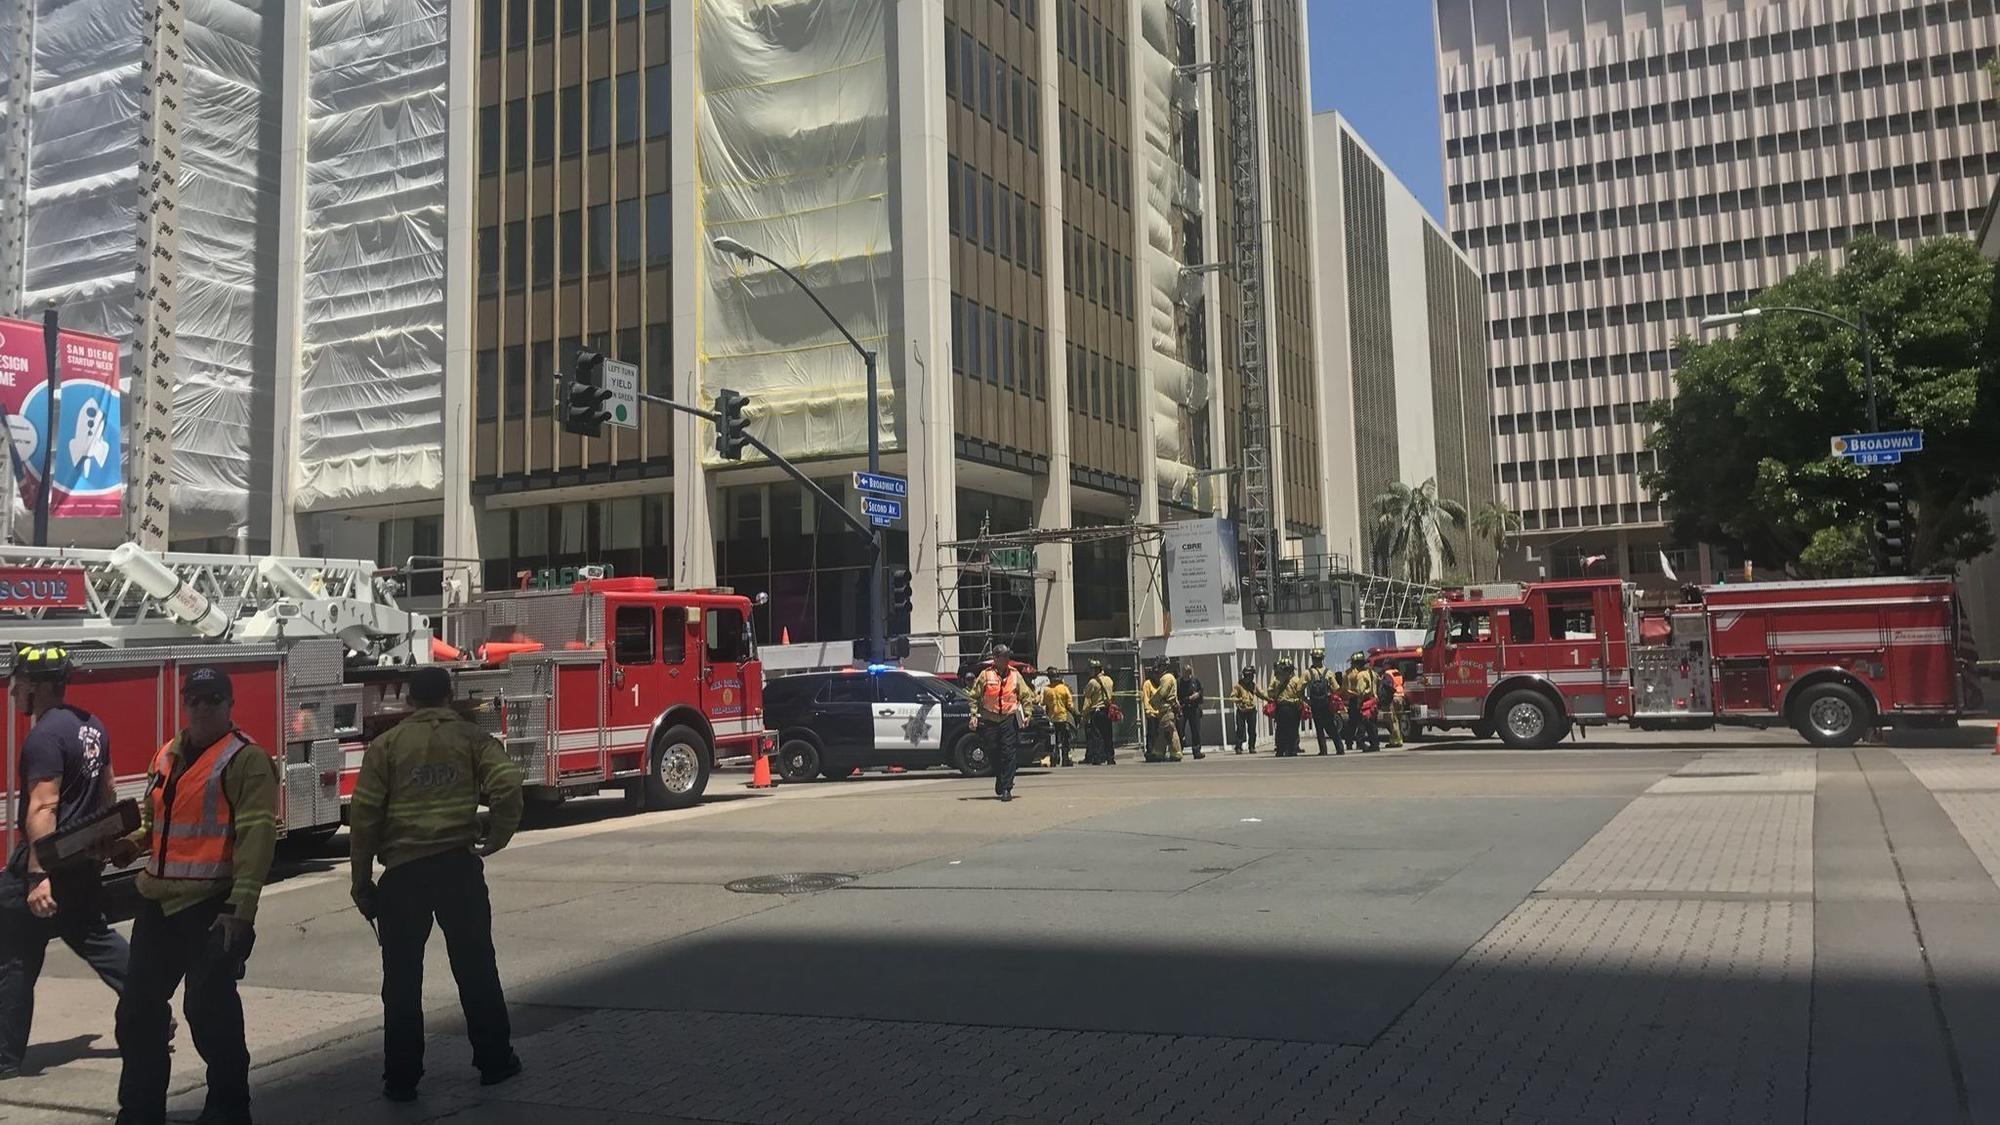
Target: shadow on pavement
{"points": [[902, 1031]]}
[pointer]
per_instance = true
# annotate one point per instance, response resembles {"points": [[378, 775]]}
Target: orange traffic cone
{"points": [[760, 769], [785, 635]]}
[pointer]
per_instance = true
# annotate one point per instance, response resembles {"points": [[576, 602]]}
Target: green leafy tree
{"points": [[1495, 523], [1410, 524], [1742, 448]]}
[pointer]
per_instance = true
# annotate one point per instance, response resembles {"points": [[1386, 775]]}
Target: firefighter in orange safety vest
{"points": [[1000, 700], [208, 828]]}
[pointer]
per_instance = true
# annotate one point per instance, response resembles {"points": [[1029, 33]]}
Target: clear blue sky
{"points": [[1373, 60]]}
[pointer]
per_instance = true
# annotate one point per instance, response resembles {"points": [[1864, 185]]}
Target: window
{"points": [[599, 239], [673, 634], [1470, 626], [490, 27], [569, 239], [489, 260], [542, 235], [541, 385], [1520, 626], [898, 689], [849, 690], [516, 249], [517, 24], [513, 378], [600, 114], [489, 140], [517, 134], [634, 626], [486, 384], [659, 362], [569, 120], [545, 20], [728, 637], [659, 101], [628, 107], [630, 237], [659, 228], [1571, 620]]}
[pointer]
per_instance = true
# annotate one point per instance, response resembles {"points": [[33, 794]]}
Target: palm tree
{"points": [[1410, 523], [1495, 523]]}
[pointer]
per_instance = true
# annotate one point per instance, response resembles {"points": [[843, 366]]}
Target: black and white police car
{"points": [[828, 723]]}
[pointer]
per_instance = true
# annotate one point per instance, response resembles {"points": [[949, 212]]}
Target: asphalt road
{"points": [[1290, 925]]}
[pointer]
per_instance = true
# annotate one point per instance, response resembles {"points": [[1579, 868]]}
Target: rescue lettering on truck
{"points": [[1831, 659]]}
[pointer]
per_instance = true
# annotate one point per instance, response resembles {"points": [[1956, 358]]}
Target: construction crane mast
{"points": [[1246, 182]]}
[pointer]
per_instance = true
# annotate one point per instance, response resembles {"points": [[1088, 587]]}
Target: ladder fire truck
{"points": [[612, 682], [1832, 659]]}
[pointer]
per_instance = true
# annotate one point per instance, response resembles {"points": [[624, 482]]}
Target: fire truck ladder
{"points": [[1246, 182], [132, 596]]}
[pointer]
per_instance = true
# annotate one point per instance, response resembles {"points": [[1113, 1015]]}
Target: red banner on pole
{"points": [[89, 466]]}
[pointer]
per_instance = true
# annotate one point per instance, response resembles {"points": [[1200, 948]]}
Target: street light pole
{"points": [[1858, 326], [878, 624]]}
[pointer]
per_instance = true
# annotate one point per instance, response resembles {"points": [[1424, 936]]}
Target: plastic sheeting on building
{"points": [[87, 138], [371, 384], [1179, 391], [223, 347], [84, 141], [792, 108]]}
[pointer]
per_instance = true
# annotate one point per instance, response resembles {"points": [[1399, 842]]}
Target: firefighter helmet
{"points": [[42, 662]]}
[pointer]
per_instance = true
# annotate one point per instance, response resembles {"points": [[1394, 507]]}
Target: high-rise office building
{"points": [[1019, 205], [1621, 169], [1402, 318]]}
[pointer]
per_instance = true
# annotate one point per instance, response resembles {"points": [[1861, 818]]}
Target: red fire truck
{"points": [[612, 682], [1832, 659]]}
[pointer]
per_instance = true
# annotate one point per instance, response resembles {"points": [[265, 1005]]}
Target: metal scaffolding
{"points": [[973, 570], [1246, 180]]}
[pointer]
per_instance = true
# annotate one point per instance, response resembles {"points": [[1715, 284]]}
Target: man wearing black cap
{"points": [[208, 827], [66, 778], [416, 807]]}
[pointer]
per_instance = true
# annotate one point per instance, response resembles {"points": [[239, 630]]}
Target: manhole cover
{"points": [[797, 883]]}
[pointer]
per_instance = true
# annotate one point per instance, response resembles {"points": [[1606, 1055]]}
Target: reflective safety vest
{"points": [[997, 694], [194, 834]]}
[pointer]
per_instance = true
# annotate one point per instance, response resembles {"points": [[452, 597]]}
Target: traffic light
{"points": [[1892, 535], [900, 595], [729, 436], [583, 405]]}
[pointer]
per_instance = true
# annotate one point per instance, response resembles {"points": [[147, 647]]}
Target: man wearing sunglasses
{"points": [[208, 829]]}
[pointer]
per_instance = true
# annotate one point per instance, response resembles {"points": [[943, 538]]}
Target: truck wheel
{"points": [[1528, 721], [1831, 715], [677, 769], [970, 756], [1482, 730], [798, 759]]}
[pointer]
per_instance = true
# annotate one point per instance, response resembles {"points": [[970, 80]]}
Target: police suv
{"points": [[828, 723]]}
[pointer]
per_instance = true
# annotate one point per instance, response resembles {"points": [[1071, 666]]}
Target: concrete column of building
{"points": [[924, 398], [461, 178], [1148, 614], [1221, 488], [290, 348], [694, 496], [1054, 507], [1330, 383]]}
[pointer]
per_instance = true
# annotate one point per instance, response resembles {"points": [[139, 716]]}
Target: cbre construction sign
{"points": [[89, 461]]}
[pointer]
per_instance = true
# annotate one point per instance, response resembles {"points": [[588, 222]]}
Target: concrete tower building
{"points": [[1621, 168], [1018, 205], [1403, 331]]}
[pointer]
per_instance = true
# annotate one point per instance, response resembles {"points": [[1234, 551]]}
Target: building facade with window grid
{"points": [[1620, 171], [1402, 315], [1015, 209]]}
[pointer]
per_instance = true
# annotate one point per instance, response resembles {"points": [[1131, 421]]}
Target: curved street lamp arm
{"points": [[807, 290]]}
